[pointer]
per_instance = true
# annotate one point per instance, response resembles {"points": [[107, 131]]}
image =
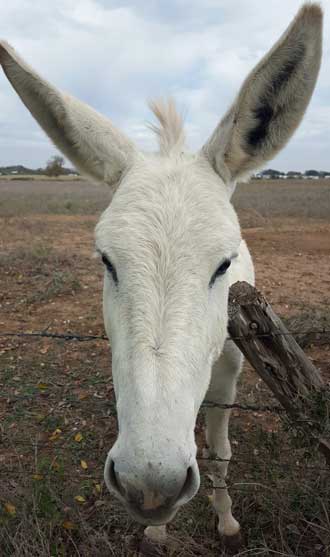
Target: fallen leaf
{"points": [[83, 395], [80, 499], [37, 477], [55, 435], [68, 525], [42, 386], [84, 464], [78, 437], [10, 509]]}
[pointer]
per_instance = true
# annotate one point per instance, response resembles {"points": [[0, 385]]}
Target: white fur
{"points": [[169, 226]]}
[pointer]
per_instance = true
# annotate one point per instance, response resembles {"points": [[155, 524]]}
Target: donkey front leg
{"points": [[219, 448], [222, 390]]}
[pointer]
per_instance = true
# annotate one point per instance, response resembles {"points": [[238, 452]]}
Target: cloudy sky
{"points": [[116, 54]]}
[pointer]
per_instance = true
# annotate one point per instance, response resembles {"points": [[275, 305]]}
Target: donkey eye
{"points": [[110, 268], [220, 271]]}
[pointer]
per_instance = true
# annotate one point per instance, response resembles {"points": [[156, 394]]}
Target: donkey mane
{"points": [[170, 132]]}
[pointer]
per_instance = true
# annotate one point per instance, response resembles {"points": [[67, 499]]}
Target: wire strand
{"points": [[85, 338]]}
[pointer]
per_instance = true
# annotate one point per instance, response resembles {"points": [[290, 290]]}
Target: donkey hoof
{"points": [[233, 544]]}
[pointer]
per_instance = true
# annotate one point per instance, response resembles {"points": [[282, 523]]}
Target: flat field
{"points": [[57, 414]]}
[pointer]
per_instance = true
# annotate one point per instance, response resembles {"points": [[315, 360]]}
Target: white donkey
{"points": [[171, 245]]}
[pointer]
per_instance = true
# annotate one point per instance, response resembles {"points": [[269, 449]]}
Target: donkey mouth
{"points": [[155, 517]]}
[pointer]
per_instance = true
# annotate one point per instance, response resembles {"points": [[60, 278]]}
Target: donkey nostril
{"points": [[190, 486], [187, 483], [114, 479]]}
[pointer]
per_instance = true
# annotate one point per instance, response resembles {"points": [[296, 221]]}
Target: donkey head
{"points": [[167, 240]]}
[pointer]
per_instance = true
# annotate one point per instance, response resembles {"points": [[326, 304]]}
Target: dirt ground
{"points": [[56, 407]]}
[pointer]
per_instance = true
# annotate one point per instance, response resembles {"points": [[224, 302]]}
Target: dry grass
{"points": [[308, 199], [51, 197], [45, 273], [282, 503], [256, 202]]}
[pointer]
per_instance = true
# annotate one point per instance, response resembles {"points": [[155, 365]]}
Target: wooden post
{"points": [[275, 355]]}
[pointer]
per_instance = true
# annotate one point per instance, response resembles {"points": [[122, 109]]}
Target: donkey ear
{"points": [[271, 102], [83, 135]]}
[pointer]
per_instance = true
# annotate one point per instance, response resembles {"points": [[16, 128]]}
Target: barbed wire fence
{"points": [[273, 353], [77, 337], [85, 338], [109, 406]]}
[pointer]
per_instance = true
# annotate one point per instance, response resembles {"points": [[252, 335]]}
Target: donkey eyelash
{"points": [[110, 267], [221, 270]]}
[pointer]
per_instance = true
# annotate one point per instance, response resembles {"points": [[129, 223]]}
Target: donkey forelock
{"points": [[170, 131]]}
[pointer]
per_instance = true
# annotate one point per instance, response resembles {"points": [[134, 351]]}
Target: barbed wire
{"points": [[205, 486], [238, 461], [63, 336], [86, 338], [67, 403], [65, 443], [244, 407], [207, 404], [11, 398]]}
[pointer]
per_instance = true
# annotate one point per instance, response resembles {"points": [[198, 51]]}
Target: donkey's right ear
{"points": [[83, 135], [271, 102]]}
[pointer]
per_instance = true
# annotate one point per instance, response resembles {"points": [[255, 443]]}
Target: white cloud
{"points": [[115, 55]]}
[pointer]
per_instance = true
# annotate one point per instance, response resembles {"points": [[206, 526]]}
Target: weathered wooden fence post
{"points": [[277, 358]]}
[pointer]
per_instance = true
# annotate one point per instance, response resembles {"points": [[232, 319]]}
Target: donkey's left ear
{"points": [[271, 102]]}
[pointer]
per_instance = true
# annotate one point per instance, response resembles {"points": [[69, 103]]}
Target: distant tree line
{"points": [[54, 167], [271, 174]]}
